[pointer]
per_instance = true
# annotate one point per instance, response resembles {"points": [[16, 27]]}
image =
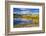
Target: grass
{"points": [[25, 25]]}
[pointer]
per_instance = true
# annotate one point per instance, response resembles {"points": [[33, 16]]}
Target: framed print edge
{"points": [[7, 18]]}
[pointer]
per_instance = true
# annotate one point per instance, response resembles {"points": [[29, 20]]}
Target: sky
{"points": [[25, 10]]}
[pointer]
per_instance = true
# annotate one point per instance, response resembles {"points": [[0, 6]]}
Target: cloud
{"points": [[25, 11]]}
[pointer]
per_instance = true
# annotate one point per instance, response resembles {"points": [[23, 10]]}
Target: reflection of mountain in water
{"points": [[22, 21]]}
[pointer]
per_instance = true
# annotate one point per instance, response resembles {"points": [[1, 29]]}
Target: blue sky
{"points": [[25, 10]]}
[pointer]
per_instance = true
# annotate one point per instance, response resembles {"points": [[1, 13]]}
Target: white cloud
{"points": [[23, 9], [25, 12]]}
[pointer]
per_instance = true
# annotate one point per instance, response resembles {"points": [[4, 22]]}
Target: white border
{"points": [[28, 28]]}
